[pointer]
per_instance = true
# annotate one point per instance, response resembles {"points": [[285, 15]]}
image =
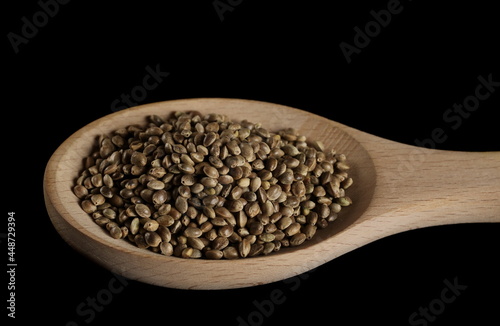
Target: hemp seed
{"points": [[201, 186]]}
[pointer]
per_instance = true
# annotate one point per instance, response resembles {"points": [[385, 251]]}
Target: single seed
{"points": [[225, 231], [214, 254], [142, 210], [80, 191], [98, 199], [152, 239], [298, 239], [284, 222], [255, 227], [192, 232], [155, 185], [180, 149], [292, 229], [88, 206], [195, 243], [138, 159], [235, 205], [219, 243], [244, 248], [134, 226], [286, 178], [347, 183], [181, 204], [342, 166], [166, 248], [290, 150], [234, 161], [256, 249], [109, 213], [210, 171], [268, 248], [274, 192], [140, 241], [102, 221], [151, 225], [298, 188], [335, 207], [225, 179], [230, 253], [116, 232], [344, 201], [309, 230], [164, 233], [160, 197], [267, 237], [252, 209]]}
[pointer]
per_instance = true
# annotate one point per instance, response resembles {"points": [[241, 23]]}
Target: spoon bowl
{"points": [[396, 188]]}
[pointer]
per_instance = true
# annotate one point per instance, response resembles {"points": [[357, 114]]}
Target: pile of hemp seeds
{"points": [[202, 186]]}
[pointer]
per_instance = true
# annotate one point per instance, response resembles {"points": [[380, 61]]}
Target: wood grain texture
{"points": [[397, 188]]}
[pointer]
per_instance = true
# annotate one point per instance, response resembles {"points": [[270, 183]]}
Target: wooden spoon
{"points": [[396, 188]]}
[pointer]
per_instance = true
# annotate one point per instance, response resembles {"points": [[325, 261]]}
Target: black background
{"points": [[398, 87]]}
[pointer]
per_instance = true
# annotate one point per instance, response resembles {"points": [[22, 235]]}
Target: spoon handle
{"points": [[418, 187]]}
